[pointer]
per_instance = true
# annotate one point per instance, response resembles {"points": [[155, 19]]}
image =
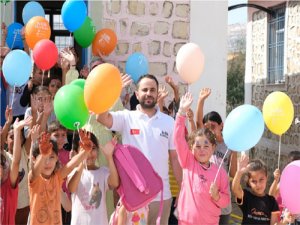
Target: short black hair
{"points": [[75, 141], [293, 156], [212, 116], [149, 76]]}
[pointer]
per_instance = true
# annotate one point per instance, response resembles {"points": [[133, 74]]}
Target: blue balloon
{"points": [[136, 66], [17, 67], [14, 37], [32, 9], [73, 14], [243, 128]]}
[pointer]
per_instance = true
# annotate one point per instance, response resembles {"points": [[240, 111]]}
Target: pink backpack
{"points": [[139, 183]]}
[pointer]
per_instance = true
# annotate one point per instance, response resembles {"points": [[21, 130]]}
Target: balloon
{"points": [[14, 37], [69, 107], [243, 128], [45, 54], [32, 9], [79, 82], [17, 67], [136, 66], [190, 62], [289, 187], [104, 42], [36, 29], [73, 14], [278, 112], [86, 33], [102, 87]]}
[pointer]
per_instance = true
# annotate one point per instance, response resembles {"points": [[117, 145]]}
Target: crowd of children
{"points": [[52, 176]]}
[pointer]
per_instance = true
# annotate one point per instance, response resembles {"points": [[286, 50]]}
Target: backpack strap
{"points": [[125, 159]]}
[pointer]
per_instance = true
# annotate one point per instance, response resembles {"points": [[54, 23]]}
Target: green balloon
{"points": [[79, 82], [84, 35], [70, 108]]}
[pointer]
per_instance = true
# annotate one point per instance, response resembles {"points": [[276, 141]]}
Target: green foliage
{"points": [[235, 81]]}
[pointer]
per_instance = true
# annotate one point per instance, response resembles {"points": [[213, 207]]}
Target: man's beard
{"points": [[148, 106]]}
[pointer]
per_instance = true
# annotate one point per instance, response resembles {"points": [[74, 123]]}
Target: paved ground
{"points": [[236, 215]]}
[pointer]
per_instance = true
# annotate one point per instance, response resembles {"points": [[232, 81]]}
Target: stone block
{"points": [[158, 68], [154, 48], [161, 27], [153, 8], [139, 29], [167, 49], [167, 9], [122, 48], [182, 10], [123, 27], [137, 47], [113, 7], [177, 46], [108, 23], [181, 30], [136, 7]]}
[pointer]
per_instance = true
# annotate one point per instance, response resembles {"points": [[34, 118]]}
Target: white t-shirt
{"points": [[89, 200], [17, 109], [152, 136]]}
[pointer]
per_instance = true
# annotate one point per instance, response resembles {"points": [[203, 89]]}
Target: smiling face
{"points": [[202, 149], [147, 93], [258, 182], [60, 136]]}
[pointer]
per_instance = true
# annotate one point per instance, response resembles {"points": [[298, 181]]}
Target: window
{"points": [[276, 46], [59, 34]]}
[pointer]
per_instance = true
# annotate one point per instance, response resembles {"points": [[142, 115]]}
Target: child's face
{"points": [[60, 136], [49, 165], [214, 127], [37, 76], [258, 182], [92, 157], [41, 97], [54, 85], [202, 149]]}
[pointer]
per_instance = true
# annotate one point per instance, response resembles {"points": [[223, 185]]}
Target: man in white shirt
{"points": [[151, 131]]}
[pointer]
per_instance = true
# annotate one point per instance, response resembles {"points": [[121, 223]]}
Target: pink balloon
{"points": [[45, 54], [190, 62], [289, 187]]}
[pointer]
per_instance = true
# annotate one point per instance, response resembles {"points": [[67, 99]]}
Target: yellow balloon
{"points": [[278, 112]]}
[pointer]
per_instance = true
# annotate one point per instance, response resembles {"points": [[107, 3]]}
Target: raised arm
{"points": [[86, 145], [73, 181], [48, 109], [274, 189], [236, 183], [174, 87], [204, 93], [108, 150], [8, 121], [162, 94], [190, 116], [14, 167]]}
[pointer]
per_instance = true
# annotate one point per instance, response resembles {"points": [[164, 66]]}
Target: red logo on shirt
{"points": [[134, 131]]}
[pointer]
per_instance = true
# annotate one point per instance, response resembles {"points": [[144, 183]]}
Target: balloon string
{"points": [[220, 165], [89, 122], [77, 124], [73, 139], [13, 96], [12, 46], [4, 12], [70, 39], [43, 78], [279, 153]]}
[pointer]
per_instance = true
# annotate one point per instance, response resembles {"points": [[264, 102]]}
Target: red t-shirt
{"points": [[8, 202]]}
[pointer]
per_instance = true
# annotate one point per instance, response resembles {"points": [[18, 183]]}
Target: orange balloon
{"points": [[104, 42], [36, 29], [102, 88]]}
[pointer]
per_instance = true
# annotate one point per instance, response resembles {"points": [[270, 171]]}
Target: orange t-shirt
{"points": [[45, 200]]}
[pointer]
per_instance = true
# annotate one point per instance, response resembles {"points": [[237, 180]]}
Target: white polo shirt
{"points": [[152, 136]]}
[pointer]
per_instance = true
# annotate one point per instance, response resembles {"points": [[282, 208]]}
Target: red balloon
{"points": [[45, 54]]}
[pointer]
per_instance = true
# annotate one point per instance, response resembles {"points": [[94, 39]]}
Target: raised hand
{"points": [[18, 125], [185, 102], [214, 192], [243, 163], [126, 80], [8, 114], [45, 145], [204, 93], [109, 148], [169, 80], [190, 114], [48, 105], [35, 132], [33, 103], [85, 140], [84, 72], [162, 93], [67, 57], [276, 174]]}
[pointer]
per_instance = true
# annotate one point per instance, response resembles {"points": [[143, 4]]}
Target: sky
{"points": [[237, 15]]}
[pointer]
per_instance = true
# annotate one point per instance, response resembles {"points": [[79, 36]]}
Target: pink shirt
{"points": [[64, 158], [195, 205], [8, 202]]}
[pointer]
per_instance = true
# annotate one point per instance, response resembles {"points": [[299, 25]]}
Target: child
{"points": [[45, 180], [274, 189], [200, 199], [213, 121], [257, 206], [9, 176], [89, 185]]}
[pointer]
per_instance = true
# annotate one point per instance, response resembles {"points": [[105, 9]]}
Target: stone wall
{"points": [[268, 148], [156, 28]]}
